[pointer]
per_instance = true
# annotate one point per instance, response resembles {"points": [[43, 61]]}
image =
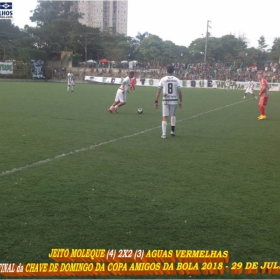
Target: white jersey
{"points": [[170, 86], [70, 78], [126, 82], [250, 86]]}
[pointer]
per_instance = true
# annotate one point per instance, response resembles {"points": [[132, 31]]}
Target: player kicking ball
{"points": [[120, 98], [171, 88]]}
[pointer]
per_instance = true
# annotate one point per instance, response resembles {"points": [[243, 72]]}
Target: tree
{"points": [[12, 39], [262, 54], [252, 56], [275, 50], [66, 36], [243, 39], [84, 38], [140, 37], [232, 46], [117, 47], [47, 11], [216, 49], [58, 29], [196, 49], [136, 43], [169, 52], [197, 46], [152, 48], [183, 54], [262, 44], [225, 48]]}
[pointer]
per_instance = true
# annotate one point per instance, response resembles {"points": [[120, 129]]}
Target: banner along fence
{"points": [[16, 62]]}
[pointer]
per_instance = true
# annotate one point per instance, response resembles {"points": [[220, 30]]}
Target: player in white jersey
{"points": [[250, 89], [70, 81], [120, 98], [171, 87], [227, 84]]}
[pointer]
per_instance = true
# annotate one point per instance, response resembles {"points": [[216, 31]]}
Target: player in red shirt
{"points": [[132, 83], [263, 95]]}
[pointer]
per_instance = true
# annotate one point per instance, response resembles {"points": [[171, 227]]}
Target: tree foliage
{"points": [[151, 48], [47, 11], [262, 44], [58, 29], [141, 36], [116, 47], [275, 50], [220, 49]]}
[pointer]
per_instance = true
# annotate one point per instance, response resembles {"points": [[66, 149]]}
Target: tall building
{"points": [[104, 14]]}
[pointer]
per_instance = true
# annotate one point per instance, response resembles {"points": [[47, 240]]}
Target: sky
{"points": [[182, 21]]}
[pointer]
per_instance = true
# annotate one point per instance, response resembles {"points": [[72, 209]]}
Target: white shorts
{"points": [[120, 96], [71, 83], [168, 110], [249, 91]]}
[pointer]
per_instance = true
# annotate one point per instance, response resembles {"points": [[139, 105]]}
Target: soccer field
{"points": [[73, 175]]}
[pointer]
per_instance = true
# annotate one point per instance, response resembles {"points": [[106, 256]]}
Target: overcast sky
{"points": [[182, 21]]}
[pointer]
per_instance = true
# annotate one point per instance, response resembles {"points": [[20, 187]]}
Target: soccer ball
{"points": [[140, 111]]}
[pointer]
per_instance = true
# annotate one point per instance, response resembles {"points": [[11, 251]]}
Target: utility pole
{"points": [[88, 38], [206, 40], [85, 45]]}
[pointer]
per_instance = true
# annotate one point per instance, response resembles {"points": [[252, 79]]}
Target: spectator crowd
{"points": [[191, 71]]}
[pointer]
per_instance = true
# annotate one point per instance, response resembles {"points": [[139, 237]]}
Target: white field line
{"points": [[14, 170]]}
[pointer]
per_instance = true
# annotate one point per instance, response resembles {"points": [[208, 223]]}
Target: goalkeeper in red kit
{"points": [[263, 96]]}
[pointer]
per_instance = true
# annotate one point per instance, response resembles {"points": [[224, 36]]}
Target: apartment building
{"points": [[104, 14]]}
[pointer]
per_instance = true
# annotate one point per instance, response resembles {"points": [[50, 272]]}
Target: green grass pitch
{"points": [[84, 178]]}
